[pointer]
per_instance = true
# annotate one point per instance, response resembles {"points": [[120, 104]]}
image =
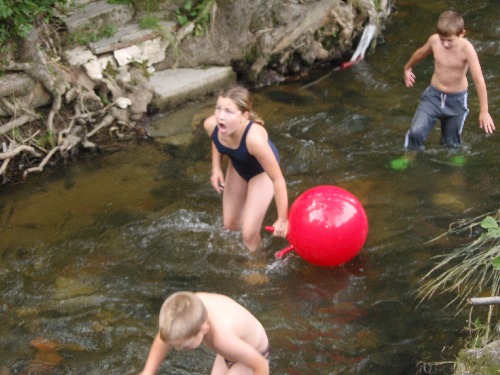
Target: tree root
{"points": [[77, 113], [45, 160]]}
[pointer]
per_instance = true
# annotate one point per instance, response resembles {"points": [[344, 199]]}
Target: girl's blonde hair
{"points": [[243, 100], [181, 316], [450, 23]]}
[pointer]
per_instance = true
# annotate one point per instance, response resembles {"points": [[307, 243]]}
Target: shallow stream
{"points": [[88, 252]]}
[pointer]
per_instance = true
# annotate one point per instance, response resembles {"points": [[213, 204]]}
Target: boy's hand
{"points": [[409, 78], [486, 122]]}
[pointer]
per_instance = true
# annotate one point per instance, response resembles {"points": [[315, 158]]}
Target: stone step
{"points": [[174, 87], [129, 35], [98, 13]]}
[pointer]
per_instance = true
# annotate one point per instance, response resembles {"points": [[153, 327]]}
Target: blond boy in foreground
{"points": [[445, 98], [188, 319]]}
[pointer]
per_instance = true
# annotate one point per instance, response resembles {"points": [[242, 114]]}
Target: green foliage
{"points": [[83, 37], [46, 140], [491, 225], [17, 17], [493, 231], [186, 13], [199, 14], [149, 22], [479, 330], [327, 37], [142, 66], [125, 2], [468, 269]]}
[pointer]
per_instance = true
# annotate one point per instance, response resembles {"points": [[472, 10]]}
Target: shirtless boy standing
{"points": [[445, 99], [224, 326]]}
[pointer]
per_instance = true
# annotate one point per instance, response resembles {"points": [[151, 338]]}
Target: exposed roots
{"points": [[76, 114]]}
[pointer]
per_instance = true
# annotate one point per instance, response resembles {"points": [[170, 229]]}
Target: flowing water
{"points": [[88, 252]]}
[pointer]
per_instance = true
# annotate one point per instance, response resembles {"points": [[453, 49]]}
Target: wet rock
{"points": [[479, 361]]}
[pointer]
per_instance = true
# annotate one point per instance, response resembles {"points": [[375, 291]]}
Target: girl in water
{"points": [[253, 174]]}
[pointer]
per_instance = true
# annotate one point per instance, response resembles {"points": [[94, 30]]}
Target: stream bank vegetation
{"points": [[471, 274], [47, 111]]}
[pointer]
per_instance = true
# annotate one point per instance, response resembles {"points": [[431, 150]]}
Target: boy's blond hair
{"points": [[181, 316], [450, 23]]}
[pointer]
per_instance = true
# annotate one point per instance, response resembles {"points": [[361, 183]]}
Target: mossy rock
{"points": [[483, 361]]}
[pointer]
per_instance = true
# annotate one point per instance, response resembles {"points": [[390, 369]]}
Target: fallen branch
{"points": [[482, 301], [16, 151], [3, 168], [20, 121]]}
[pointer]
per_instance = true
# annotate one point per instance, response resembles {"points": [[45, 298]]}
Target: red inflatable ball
{"points": [[328, 225]]}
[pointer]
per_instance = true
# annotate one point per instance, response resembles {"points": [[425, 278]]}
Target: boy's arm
{"points": [[420, 54], [485, 120], [157, 354]]}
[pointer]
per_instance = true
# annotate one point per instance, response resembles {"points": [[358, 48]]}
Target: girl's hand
{"points": [[217, 180], [280, 228]]}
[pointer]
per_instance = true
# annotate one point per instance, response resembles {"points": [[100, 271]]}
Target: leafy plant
{"points": [[198, 14], [185, 14], [17, 17], [470, 270], [491, 225]]}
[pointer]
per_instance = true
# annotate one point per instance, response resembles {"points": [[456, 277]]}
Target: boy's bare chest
{"points": [[450, 59]]}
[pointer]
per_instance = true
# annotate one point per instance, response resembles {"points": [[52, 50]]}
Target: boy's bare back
{"points": [[231, 326], [222, 324]]}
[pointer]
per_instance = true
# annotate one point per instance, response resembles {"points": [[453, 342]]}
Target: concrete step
{"points": [[174, 87]]}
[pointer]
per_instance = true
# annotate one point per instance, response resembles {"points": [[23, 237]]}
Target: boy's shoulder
{"points": [[434, 39], [466, 43], [214, 298]]}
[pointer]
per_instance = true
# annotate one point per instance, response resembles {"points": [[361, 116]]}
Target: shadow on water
{"points": [[88, 253]]}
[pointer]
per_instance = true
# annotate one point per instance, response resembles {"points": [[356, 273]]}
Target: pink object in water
{"points": [[328, 226]]}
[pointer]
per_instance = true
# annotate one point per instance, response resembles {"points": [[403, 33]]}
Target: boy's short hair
{"points": [[450, 23], [181, 316]]}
